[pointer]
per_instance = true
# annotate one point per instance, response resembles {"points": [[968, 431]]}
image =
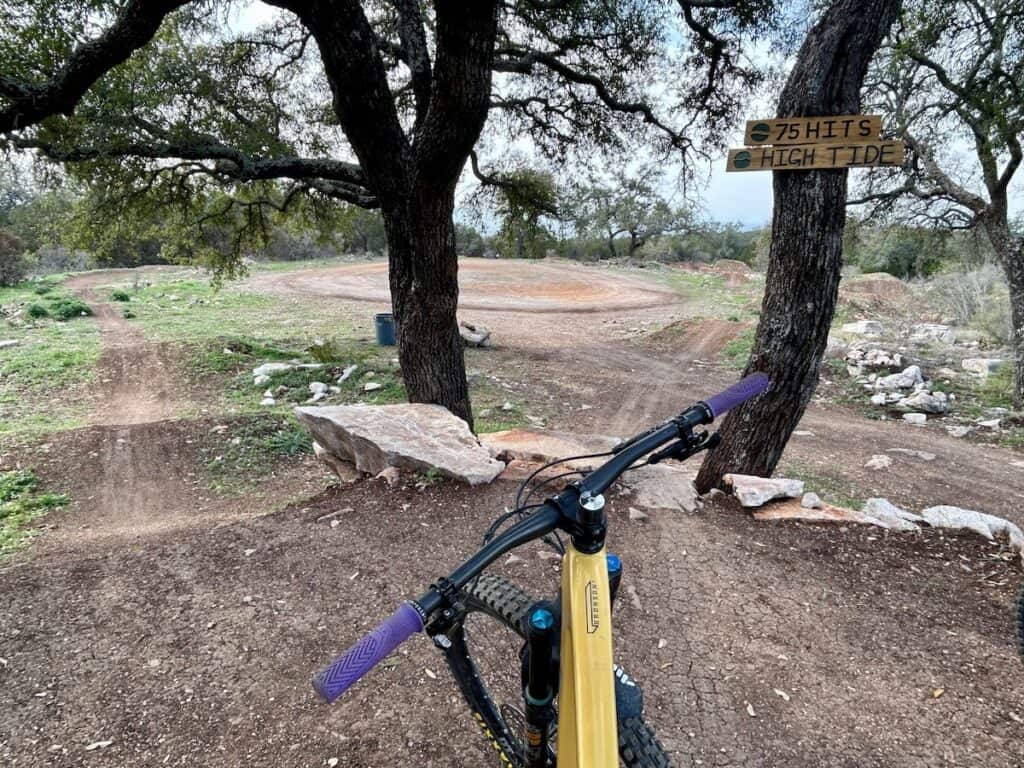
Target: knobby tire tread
{"points": [[507, 603]]}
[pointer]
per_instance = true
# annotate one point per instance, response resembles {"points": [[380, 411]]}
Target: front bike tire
{"points": [[484, 660], [1019, 621]]}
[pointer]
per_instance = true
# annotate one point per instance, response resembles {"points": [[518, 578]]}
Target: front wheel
{"points": [[484, 659], [1019, 622]]}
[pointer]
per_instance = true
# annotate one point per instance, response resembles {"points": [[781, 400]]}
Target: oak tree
{"points": [[173, 113], [805, 256], [951, 83]]}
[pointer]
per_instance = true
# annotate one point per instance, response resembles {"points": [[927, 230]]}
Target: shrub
{"points": [[960, 295], [993, 317], [327, 352], [120, 294], [13, 265], [66, 308], [127, 314], [37, 311], [42, 289]]}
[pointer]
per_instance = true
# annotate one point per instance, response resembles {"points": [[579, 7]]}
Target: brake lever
{"points": [[684, 449]]}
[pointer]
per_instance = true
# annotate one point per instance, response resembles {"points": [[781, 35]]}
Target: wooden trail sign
{"points": [[807, 156], [813, 130], [803, 143]]}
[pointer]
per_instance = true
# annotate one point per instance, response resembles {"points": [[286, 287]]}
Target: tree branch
{"points": [[134, 27]]}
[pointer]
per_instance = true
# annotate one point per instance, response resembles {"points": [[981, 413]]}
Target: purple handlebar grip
{"points": [[744, 389], [346, 670]]}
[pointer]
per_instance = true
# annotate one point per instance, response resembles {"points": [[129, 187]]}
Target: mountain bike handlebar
{"points": [[412, 616]]}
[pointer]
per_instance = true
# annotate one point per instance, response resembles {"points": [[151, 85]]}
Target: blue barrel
{"points": [[385, 324]]}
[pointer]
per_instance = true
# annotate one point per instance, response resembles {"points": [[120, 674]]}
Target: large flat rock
{"points": [[411, 436], [663, 486]]}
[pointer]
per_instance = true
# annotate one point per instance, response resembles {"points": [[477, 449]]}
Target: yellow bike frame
{"points": [[587, 727]]}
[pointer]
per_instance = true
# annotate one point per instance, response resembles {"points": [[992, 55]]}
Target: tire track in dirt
{"points": [[138, 462]]}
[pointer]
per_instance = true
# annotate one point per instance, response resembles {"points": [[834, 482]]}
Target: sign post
{"points": [[804, 143]]}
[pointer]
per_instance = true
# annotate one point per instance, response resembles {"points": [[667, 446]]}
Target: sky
{"points": [[743, 198]]}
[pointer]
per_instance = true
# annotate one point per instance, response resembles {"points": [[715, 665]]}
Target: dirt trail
{"points": [[139, 379], [134, 463], [578, 354]]}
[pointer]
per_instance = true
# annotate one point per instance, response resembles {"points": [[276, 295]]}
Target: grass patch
{"points": [[41, 376], [712, 295], [119, 294], [21, 502], [737, 351], [831, 489], [228, 364], [194, 311], [236, 457]]}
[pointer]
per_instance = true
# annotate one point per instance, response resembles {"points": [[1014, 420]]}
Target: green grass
{"points": [[228, 363], [832, 490], [22, 502], [737, 351], [711, 295], [43, 374], [192, 310], [238, 457]]}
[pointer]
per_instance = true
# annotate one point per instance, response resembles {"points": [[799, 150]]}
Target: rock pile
{"points": [[776, 499]]}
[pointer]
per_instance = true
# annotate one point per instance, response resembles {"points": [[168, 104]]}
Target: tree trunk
{"points": [[1010, 250], [809, 214], [423, 274]]}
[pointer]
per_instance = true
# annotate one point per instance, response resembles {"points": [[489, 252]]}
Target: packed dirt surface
{"points": [[756, 645], [139, 380], [486, 284], [157, 623]]}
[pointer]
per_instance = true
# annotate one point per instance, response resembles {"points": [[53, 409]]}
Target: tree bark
{"points": [[415, 180], [805, 258], [423, 274]]}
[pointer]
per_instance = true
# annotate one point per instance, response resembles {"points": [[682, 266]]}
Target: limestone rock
{"points": [[9, 343], [637, 515], [792, 509], [878, 461], [345, 470], [663, 486], [345, 374], [317, 388], [888, 515], [755, 491], [981, 366], [269, 369], [811, 501], [958, 431], [412, 436], [933, 332], [475, 334], [542, 447], [864, 328], [989, 526], [908, 378], [372, 386], [993, 424], [917, 419], [925, 402]]}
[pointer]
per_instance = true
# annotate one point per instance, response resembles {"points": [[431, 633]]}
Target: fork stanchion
{"points": [[541, 633]]}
